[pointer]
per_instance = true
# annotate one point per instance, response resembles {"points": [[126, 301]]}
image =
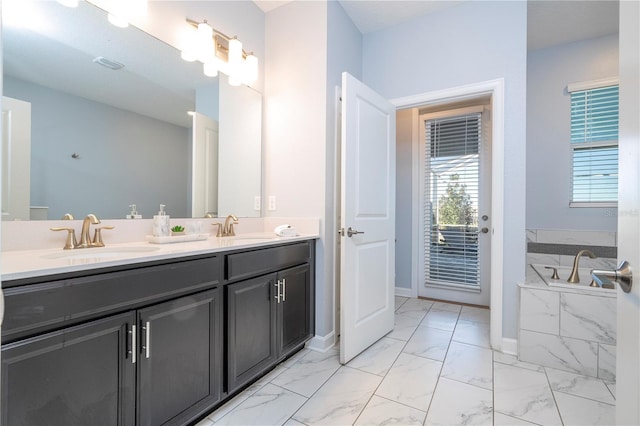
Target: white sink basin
{"points": [[100, 252]]}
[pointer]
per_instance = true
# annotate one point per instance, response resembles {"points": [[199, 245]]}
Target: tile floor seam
{"points": [[555, 401], [582, 397]]}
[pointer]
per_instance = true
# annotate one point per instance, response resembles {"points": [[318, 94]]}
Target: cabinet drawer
{"points": [[252, 263], [42, 307]]}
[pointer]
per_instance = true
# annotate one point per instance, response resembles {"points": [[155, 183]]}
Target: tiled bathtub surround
{"points": [[559, 247], [567, 330]]}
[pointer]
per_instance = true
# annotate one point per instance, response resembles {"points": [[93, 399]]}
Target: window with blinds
{"points": [[594, 146], [451, 193]]}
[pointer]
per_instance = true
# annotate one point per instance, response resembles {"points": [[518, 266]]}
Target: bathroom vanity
{"points": [[161, 338]]}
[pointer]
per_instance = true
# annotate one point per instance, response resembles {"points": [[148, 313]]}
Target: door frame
{"points": [[494, 88]]}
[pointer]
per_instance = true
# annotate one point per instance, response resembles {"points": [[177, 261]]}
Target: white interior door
{"points": [[628, 339], [16, 159], [204, 192], [367, 261]]}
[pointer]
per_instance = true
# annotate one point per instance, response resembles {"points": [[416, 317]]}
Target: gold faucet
{"points": [[574, 277], [227, 229], [85, 237]]}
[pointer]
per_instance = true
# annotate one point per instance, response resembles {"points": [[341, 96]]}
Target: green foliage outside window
{"points": [[455, 206]]}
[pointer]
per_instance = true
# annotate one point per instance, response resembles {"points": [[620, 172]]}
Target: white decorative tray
{"points": [[177, 238]]}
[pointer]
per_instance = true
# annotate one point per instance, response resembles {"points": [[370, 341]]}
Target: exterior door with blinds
{"points": [[456, 191]]}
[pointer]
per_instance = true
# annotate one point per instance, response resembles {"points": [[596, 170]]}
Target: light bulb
{"points": [[118, 21], [205, 43], [210, 69], [235, 52], [190, 42], [251, 69]]}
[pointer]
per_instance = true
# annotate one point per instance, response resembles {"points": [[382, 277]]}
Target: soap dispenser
{"points": [[161, 223], [133, 214]]}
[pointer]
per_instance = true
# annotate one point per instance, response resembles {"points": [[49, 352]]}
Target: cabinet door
{"points": [[81, 375], [180, 359], [251, 325], [294, 308]]}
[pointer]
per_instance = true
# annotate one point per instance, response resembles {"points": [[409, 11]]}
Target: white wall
{"points": [[308, 46], [114, 146], [548, 132], [295, 127], [468, 43]]}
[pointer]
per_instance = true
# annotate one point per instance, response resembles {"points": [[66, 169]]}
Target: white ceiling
{"points": [[548, 22]]}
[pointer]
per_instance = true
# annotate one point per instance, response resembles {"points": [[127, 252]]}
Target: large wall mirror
{"points": [[156, 131]]}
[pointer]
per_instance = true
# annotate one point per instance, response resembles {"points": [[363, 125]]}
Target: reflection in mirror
{"points": [[103, 139]]}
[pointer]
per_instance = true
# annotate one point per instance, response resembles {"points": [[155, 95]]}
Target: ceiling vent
{"points": [[108, 63]]}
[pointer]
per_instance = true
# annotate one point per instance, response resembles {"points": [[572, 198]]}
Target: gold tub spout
{"points": [[574, 277]]}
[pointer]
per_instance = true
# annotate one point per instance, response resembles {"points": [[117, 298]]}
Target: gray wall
{"points": [[548, 132], [404, 198], [125, 158], [467, 43]]}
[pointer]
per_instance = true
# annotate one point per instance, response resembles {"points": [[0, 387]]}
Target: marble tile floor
{"points": [[434, 368]]}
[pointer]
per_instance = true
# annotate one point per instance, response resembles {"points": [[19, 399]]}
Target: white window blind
{"points": [[451, 193], [594, 146]]}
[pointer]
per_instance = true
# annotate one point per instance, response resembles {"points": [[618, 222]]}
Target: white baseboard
{"points": [[404, 292], [322, 343], [509, 346]]}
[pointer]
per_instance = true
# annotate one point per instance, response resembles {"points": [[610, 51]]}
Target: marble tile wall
{"points": [[558, 247], [568, 331]]}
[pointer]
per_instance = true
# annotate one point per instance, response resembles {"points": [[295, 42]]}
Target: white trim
{"points": [[509, 346], [495, 88], [415, 198], [592, 84], [322, 343], [406, 292], [594, 204]]}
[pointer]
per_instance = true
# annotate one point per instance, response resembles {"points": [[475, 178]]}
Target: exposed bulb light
{"points": [[121, 12], [117, 21], [69, 3], [206, 47], [219, 53], [210, 69], [251, 68]]}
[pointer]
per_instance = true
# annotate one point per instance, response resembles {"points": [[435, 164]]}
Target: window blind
{"points": [[451, 191], [594, 145]]}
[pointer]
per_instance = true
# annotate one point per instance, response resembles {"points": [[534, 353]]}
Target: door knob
{"points": [[351, 232], [622, 276], [484, 230]]}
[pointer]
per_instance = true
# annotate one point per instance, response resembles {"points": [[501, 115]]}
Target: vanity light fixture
{"points": [[219, 53]]}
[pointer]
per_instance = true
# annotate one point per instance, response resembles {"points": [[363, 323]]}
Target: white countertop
{"points": [[21, 264]]}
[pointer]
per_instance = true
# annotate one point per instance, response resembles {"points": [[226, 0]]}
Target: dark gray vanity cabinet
{"points": [[81, 375], [269, 316], [157, 343], [157, 361], [179, 370], [251, 329]]}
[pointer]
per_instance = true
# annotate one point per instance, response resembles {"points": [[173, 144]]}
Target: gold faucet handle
{"points": [[97, 236], [219, 233], [71, 242]]}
